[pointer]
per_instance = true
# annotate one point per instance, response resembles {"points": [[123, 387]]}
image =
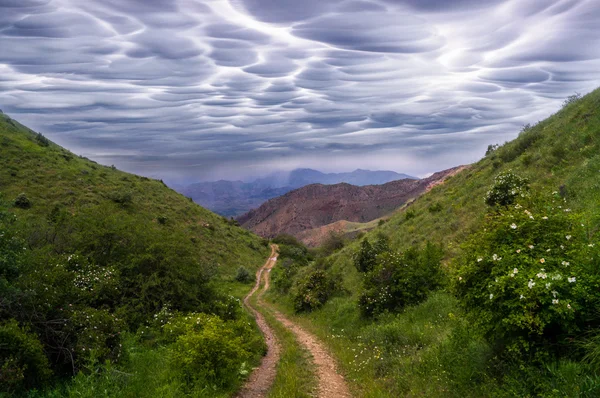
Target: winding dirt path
{"points": [[262, 378], [330, 383]]}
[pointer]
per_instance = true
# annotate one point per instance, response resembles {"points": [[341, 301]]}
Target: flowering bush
{"points": [[207, 349], [506, 189], [530, 278]]}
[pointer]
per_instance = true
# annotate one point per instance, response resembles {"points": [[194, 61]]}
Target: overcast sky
{"points": [[191, 90]]}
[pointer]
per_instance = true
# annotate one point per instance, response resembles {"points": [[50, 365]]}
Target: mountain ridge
{"points": [[317, 205], [234, 198]]}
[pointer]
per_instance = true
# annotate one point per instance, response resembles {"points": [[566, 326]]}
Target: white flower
{"points": [[460, 278], [531, 246], [541, 275], [491, 296], [569, 306], [512, 275], [568, 237], [518, 250], [522, 297], [518, 206], [494, 257], [556, 277], [565, 263], [554, 301], [531, 284], [515, 271], [591, 245], [479, 259], [572, 280], [548, 285], [513, 226], [554, 293], [544, 218], [542, 260]]}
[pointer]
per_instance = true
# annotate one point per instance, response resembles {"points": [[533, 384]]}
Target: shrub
{"points": [[209, 350], [22, 202], [506, 189], [435, 208], [571, 99], [399, 280], [162, 220], [410, 214], [283, 275], [23, 364], [312, 291], [365, 257], [531, 277], [41, 140], [122, 197], [243, 275]]}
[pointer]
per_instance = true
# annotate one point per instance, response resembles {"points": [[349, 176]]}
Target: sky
{"points": [[192, 90]]}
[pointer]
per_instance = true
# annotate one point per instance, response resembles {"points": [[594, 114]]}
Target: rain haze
{"points": [[200, 90]]}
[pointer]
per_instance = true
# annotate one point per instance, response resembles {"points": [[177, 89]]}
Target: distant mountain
{"points": [[233, 198], [317, 205]]}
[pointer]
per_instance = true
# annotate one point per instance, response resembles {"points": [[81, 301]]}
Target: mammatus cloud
{"points": [[191, 90]]}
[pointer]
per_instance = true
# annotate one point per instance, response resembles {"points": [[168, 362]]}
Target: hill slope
{"points": [[99, 265], [233, 198], [318, 205], [435, 348]]}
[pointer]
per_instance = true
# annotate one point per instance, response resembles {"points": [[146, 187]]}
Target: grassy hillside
{"points": [[97, 265], [433, 348]]}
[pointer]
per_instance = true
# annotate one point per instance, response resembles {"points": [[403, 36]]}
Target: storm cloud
{"points": [[190, 90]]}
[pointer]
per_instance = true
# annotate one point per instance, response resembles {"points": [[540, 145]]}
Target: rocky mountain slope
{"points": [[318, 205], [233, 198]]}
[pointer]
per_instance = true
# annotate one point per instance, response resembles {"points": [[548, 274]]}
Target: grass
{"points": [[52, 177]]}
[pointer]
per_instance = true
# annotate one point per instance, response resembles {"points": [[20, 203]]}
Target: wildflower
{"points": [[512, 274], [542, 260], [568, 237], [541, 275], [491, 296], [565, 263], [569, 306], [554, 293], [554, 301], [531, 246], [518, 206], [460, 278], [531, 284], [522, 297], [591, 245], [572, 280], [518, 250], [513, 226], [494, 257], [515, 271], [479, 259], [548, 285], [544, 218]]}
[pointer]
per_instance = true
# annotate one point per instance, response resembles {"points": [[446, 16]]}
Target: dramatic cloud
{"points": [[199, 89]]}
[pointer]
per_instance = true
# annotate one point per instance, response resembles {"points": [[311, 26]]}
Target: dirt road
{"points": [[330, 383]]}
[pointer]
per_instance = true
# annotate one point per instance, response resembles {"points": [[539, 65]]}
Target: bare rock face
{"points": [[317, 205]]}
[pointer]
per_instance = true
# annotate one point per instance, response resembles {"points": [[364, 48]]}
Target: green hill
{"points": [[96, 263], [447, 344]]}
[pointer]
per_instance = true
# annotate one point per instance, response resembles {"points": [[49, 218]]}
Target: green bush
{"points": [[399, 280], [41, 140], [22, 202], [312, 291], [365, 257], [209, 350], [506, 189], [243, 275], [23, 364], [531, 277]]}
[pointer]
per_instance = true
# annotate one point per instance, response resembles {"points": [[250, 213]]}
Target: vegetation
{"points": [[101, 271], [506, 303]]}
